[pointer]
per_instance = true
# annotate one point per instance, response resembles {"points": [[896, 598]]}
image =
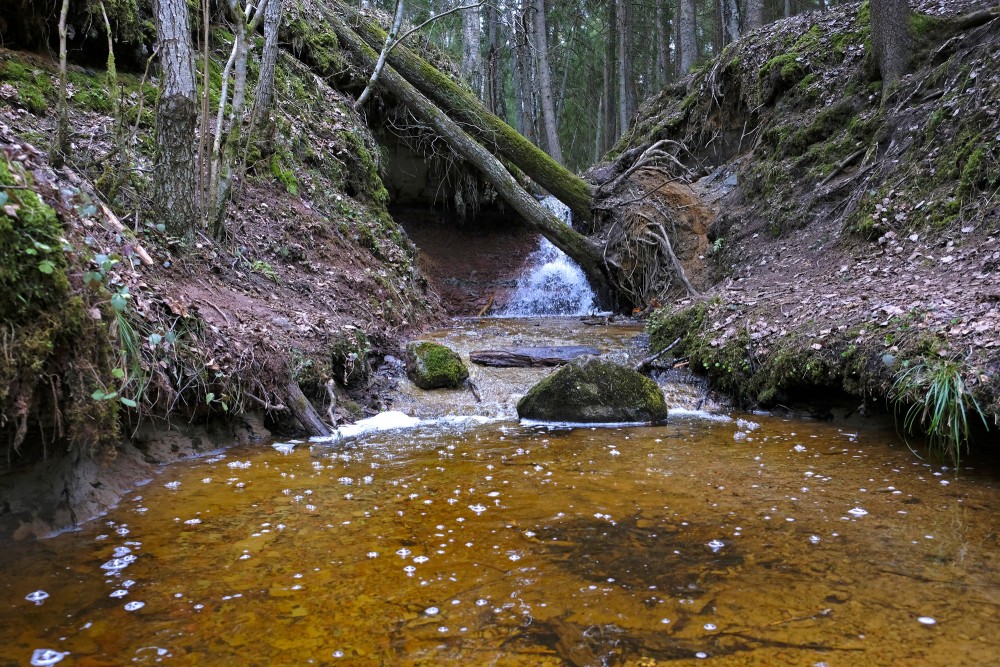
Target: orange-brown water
{"points": [[738, 540], [505, 545]]}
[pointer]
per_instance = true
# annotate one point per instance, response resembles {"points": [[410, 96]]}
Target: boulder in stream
{"points": [[592, 391], [434, 366]]}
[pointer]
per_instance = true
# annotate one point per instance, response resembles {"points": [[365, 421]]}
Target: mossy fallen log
{"points": [[590, 256], [495, 134]]}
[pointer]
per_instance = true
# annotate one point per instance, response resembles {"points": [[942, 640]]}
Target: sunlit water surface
{"points": [[736, 540]]}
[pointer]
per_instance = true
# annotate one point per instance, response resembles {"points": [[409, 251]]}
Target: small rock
{"points": [[434, 366]]}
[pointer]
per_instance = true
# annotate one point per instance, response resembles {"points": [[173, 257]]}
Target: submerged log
{"points": [[525, 357], [464, 107], [585, 252]]}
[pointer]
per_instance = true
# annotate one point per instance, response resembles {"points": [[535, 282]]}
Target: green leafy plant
{"points": [[939, 405], [266, 270]]}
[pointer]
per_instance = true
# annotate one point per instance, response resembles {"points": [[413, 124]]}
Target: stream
{"points": [[460, 536]]}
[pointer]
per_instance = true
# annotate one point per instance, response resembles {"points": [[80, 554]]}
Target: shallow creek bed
{"points": [[730, 539]]}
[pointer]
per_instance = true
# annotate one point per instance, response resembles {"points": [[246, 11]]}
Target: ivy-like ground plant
{"points": [[939, 405]]}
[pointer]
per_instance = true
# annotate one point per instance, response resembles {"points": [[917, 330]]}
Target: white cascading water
{"points": [[552, 283]]}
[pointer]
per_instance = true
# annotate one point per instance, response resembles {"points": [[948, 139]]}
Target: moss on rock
{"points": [[594, 391], [434, 366]]}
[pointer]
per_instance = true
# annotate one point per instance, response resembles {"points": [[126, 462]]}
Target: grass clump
{"points": [[939, 405]]}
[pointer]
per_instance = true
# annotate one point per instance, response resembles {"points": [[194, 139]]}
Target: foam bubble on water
{"points": [[193, 522], [799, 448], [172, 485], [121, 552], [120, 593], [43, 657], [857, 511], [403, 553], [481, 602], [373, 554], [701, 654], [338, 654], [814, 539], [665, 620], [926, 620], [134, 605], [419, 560], [715, 545], [36, 596], [409, 570], [116, 564], [477, 508], [431, 611], [709, 626]]}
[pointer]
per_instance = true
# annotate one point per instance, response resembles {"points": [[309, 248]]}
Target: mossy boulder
{"points": [[434, 366], [594, 391]]}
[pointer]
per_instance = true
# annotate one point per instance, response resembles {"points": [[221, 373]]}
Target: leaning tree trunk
{"points": [[174, 192], [586, 253], [462, 105]]}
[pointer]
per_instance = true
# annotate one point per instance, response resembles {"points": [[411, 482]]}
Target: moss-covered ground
{"points": [[858, 235]]}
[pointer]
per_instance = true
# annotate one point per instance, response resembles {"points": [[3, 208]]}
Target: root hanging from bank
{"points": [[657, 232]]}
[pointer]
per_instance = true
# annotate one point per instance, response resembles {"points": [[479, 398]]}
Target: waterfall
{"points": [[552, 283]]}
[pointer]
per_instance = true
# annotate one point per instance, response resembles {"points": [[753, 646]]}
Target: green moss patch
{"points": [[434, 366]]}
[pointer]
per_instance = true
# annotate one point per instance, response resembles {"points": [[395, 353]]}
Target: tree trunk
{"points": [[730, 21], [522, 113], [586, 253], [611, 129], [228, 140], [471, 37], [303, 410], [268, 61], [545, 83], [689, 36], [486, 127], [626, 74], [891, 39], [495, 99], [60, 150], [662, 45], [174, 182], [753, 15]]}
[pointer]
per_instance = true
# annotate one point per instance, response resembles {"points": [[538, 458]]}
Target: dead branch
{"points": [[645, 364]]}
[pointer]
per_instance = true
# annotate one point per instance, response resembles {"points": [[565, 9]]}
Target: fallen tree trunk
{"points": [[585, 252], [464, 107], [303, 410], [526, 357]]}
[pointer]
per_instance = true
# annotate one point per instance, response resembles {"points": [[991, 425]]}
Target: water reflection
{"points": [[501, 544]]}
